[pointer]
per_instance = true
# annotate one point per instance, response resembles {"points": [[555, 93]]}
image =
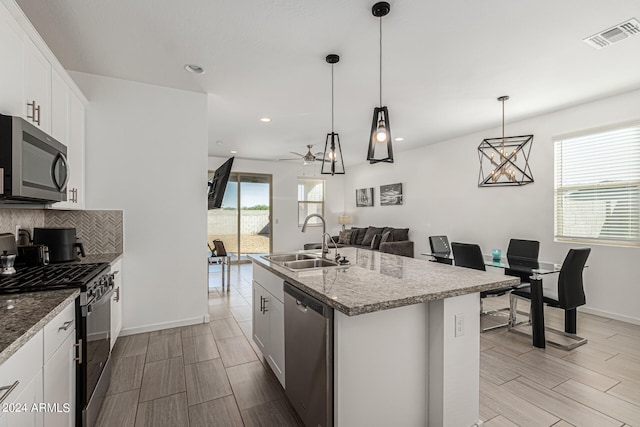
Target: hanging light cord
{"points": [[503, 121], [381, 61], [332, 98]]}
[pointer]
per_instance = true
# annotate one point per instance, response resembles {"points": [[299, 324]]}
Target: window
{"points": [[310, 199], [597, 186]]}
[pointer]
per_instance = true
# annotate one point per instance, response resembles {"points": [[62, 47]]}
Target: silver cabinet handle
{"points": [[116, 298], [65, 325], [265, 309], [35, 112], [79, 353], [7, 390]]}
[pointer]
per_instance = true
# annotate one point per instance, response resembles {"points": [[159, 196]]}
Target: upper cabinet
{"points": [[34, 85]]}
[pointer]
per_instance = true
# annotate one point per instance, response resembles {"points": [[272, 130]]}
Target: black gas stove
{"points": [[51, 277]]}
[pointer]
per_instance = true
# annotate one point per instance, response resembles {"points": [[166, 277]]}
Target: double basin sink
{"points": [[300, 261]]}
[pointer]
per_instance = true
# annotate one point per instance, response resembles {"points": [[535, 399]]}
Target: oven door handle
{"points": [[79, 353]]}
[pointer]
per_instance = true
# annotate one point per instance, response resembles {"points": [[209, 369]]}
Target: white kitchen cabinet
{"points": [[60, 95], [59, 379], [75, 151], [37, 88], [116, 302], [11, 65], [23, 371], [268, 319]]}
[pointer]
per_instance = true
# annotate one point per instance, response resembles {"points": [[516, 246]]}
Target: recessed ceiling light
{"points": [[219, 142], [265, 120], [400, 139], [233, 152], [193, 68]]}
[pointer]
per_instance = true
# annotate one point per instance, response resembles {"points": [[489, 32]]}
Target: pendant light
{"points": [[332, 162], [505, 161], [380, 136]]}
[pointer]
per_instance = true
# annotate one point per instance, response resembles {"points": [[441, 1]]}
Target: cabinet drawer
{"points": [[269, 281], [58, 329], [21, 367]]}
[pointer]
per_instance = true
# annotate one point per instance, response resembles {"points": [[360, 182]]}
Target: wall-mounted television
{"points": [[218, 184]]}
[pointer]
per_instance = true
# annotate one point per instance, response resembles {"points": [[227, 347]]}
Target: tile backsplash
{"points": [[99, 231]]}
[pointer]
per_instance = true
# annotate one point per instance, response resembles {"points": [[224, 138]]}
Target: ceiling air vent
{"points": [[614, 34]]}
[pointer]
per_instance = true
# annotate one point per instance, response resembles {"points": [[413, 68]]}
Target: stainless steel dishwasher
{"points": [[308, 349]]}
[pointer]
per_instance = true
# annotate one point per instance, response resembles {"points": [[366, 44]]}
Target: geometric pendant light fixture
{"points": [[333, 163], [380, 149], [505, 161]]}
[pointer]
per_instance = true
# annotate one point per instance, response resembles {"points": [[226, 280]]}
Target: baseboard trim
{"points": [[608, 315], [165, 325]]}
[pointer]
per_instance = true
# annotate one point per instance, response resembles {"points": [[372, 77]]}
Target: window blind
{"points": [[597, 186]]}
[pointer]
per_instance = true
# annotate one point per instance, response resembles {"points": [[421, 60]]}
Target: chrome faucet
{"points": [[325, 249]]}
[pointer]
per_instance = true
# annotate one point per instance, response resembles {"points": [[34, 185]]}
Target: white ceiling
{"points": [[444, 62]]}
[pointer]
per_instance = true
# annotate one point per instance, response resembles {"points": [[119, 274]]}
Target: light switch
{"points": [[459, 325]]}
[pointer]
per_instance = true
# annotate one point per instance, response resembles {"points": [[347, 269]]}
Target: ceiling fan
{"points": [[309, 157]]}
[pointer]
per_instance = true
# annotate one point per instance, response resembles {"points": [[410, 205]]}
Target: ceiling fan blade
{"points": [[319, 153], [297, 154], [290, 159]]}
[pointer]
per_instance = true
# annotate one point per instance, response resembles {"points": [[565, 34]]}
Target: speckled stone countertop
{"points": [[378, 281], [96, 258], [23, 315]]}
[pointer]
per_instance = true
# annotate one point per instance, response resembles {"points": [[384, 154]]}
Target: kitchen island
{"points": [[406, 336]]}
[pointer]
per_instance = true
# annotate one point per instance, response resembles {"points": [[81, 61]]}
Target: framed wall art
{"points": [[364, 197], [391, 195]]}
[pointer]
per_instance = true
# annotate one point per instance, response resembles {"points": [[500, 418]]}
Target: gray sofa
{"points": [[385, 239]]}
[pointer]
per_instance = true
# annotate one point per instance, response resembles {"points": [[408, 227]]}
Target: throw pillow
{"points": [[375, 243], [368, 236], [359, 236], [400, 234], [386, 237], [345, 237]]}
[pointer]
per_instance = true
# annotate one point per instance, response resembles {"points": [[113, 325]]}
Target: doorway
{"points": [[244, 221]]}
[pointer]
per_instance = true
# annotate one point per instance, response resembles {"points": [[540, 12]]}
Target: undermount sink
{"points": [[298, 261], [282, 258], [309, 263]]}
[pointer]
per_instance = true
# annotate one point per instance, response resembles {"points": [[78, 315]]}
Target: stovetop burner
{"points": [[50, 277]]}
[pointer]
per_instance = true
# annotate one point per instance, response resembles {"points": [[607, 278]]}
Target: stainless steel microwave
{"points": [[33, 165]]}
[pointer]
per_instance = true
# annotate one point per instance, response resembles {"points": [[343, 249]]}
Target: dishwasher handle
{"points": [[306, 302]]}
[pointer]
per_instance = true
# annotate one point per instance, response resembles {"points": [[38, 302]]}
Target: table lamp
{"points": [[344, 220]]}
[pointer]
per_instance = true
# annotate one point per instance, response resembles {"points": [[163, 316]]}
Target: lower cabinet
{"points": [[116, 302], [268, 320], [60, 385]]}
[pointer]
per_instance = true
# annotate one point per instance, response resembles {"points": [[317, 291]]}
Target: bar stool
{"points": [[221, 256]]}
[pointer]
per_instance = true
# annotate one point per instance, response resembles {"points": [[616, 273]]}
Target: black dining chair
{"points": [[569, 295], [470, 256], [524, 252], [440, 249]]}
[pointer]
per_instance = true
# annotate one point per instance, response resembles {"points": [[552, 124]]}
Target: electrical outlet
{"points": [[18, 227], [459, 325]]}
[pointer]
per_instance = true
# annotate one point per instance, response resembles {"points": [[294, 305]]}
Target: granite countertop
{"points": [[97, 258], [378, 281], [23, 315]]}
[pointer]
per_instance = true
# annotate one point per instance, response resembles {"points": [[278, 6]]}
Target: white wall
{"points": [[146, 151], [286, 234], [441, 196]]}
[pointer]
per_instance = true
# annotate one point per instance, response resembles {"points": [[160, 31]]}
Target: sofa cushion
{"points": [[371, 231], [345, 237], [375, 242], [386, 237], [400, 234], [359, 236]]}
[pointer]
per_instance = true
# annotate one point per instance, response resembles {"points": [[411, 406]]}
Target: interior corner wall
{"points": [[286, 233], [146, 151], [441, 196]]}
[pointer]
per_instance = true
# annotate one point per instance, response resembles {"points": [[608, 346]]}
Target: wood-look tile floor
{"points": [[213, 375]]}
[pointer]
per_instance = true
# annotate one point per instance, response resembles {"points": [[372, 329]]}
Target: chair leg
{"points": [[513, 310], [570, 321]]}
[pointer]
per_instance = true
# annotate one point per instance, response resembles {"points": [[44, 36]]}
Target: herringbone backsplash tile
{"points": [[99, 231], [25, 218]]}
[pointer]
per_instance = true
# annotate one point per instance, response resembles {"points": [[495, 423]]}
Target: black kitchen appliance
{"points": [[33, 165], [62, 243], [32, 255], [93, 320]]}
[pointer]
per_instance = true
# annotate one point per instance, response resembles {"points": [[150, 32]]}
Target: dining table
{"points": [[535, 269]]}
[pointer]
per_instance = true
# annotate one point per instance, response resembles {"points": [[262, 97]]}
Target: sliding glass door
{"points": [[244, 221]]}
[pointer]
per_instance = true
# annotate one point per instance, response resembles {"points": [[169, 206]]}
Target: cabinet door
{"points": [[276, 337], [60, 386], [37, 87], [11, 66], [60, 94], [30, 396], [260, 318], [75, 153], [116, 303]]}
